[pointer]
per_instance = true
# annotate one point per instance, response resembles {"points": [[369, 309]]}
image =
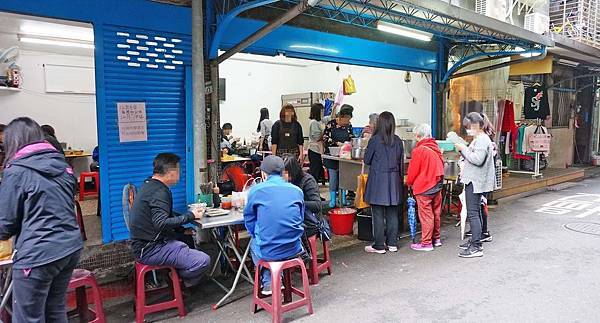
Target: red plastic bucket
{"points": [[342, 220]]}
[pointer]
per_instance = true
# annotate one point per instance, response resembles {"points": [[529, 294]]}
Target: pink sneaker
{"points": [[370, 249], [421, 247], [437, 242]]}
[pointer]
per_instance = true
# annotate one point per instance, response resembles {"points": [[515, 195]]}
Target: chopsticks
{"points": [[207, 188]]}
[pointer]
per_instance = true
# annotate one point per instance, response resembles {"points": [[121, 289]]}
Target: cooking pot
{"points": [[451, 168], [357, 153], [359, 143], [409, 145]]}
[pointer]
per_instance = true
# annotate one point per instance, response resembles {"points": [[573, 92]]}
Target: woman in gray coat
{"points": [[478, 175], [385, 157]]}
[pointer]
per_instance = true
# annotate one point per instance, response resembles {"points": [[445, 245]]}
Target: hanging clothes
{"points": [[536, 103], [508, 120], [517, 96]]}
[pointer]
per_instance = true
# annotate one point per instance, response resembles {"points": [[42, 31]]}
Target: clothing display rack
{"points": [[536, 168]]}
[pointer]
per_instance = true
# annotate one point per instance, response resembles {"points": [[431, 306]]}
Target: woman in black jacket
{"points": [[385, 157], [37, 209], [286, 134], [313, 204]]}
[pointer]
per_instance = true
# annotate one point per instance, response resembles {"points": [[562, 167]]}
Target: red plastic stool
{"points": [[79, 217], [80, 279], [276, 308], [141, 309], [318, 265], [82, 192]]}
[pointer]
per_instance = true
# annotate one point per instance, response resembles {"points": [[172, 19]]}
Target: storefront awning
{"points": [[575, 50]]}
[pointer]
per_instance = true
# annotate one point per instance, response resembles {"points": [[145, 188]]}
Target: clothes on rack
{"points": [[508, 120], [516, 94], [536, 102], [521, 144]]}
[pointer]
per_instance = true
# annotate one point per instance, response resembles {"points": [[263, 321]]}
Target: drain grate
{"points": [[584, 227]]}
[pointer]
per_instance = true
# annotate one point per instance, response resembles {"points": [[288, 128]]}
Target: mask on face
{"points": [[470, 132]]}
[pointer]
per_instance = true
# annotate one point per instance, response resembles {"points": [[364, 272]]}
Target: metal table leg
{"points": [[241, 268]]}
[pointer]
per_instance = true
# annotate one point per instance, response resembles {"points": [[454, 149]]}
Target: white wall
{"points": [[72, 116], [253, 85]]}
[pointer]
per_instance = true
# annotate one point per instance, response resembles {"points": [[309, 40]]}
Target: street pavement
{"points": [[535, 270]]}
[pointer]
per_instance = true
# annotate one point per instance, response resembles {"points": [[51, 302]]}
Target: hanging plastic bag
{"points": [[239, 199], [361, 180], [349, 86]]}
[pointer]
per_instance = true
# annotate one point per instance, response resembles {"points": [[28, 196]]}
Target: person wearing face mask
{"points": [[478, 176], [286, 134], [273, 216], [337, 132]]}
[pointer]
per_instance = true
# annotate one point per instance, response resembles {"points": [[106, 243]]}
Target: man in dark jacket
{"points": [[154, 226]]}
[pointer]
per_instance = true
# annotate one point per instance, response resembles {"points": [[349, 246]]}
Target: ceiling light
{"points": [[568, 62], [44, 29], [527, 54], [56, 42], [403, 31], [317, 48]]}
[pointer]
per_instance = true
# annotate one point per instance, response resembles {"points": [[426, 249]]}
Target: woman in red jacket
{"points": [[426, 176]]}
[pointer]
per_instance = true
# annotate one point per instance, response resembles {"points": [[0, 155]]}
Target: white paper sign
{"points": [[132, 121]]}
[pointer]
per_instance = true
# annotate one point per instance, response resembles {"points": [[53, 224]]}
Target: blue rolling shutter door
{"points": [[142, 66]]}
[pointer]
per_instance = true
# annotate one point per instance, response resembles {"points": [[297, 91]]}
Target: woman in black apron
{"points": [[286, 135], [337, 132]]}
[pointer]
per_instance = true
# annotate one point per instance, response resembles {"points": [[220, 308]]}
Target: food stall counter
{"points": [[350, 169]]}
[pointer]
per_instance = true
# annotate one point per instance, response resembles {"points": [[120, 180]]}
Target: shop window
{"points": [[561, 108]]}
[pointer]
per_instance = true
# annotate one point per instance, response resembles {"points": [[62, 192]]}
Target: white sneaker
{"points": [[393, 249], [370, 249]]}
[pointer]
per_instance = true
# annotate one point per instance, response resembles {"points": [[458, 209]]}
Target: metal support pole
{"points": [[215, 125], [199, 106], [272, 25]]}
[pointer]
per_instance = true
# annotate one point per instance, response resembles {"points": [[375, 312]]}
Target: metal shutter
{"points": [[142, 66]]}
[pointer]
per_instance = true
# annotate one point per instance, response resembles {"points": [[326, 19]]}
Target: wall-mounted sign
{"points": [[132, 121]]}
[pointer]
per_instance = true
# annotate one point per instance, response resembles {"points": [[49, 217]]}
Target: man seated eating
{"points": [[273, 217], [156, 232]]}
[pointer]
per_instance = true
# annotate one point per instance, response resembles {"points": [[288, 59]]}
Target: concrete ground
{"points": [[535, 270]]}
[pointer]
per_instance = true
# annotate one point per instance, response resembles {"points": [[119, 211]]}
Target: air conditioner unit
{"points": [[492, 8], [537, 22]]}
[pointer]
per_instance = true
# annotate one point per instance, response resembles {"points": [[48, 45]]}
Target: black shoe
{"points": [[466, 245], [471, 252], [468, 233], [486, 237]]}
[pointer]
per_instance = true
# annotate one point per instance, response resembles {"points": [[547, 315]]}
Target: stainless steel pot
{"points": [[409, 145], [359, 143], [357, 153], [451, 168]]}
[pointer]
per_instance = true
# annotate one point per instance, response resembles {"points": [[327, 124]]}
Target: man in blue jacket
{"points": [[273, 216]]}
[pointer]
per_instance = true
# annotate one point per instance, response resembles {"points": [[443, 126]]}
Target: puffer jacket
{"points": [[37, 208]]}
